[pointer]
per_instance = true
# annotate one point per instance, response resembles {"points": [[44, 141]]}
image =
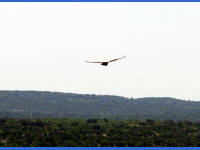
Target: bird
{"points": [[105, 63]]}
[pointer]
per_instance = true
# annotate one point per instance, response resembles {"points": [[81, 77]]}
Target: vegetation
{"points": [[26, 119], [34, 104], [97, 132]]}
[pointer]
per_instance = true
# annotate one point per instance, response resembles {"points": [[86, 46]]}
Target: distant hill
{"points": [[38, 104]]}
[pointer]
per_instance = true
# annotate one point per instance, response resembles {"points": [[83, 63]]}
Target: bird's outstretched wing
{"points": [[117, 59], [93, 62]]}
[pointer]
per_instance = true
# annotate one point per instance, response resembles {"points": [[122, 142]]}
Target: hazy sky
{"points": [[43, 46]]}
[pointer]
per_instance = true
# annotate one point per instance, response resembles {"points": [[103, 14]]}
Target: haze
{"points": [[43, 46]]}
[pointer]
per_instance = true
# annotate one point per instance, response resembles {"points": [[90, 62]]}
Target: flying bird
{"points": [[105, 63]]}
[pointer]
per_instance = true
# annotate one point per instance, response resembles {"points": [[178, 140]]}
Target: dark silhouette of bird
{"points": [[105, 63]]}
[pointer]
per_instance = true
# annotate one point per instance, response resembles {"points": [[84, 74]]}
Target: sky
{"points": [[43, 47]]}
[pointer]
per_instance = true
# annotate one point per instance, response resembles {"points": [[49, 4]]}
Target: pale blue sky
{"points": [[44, 46]]}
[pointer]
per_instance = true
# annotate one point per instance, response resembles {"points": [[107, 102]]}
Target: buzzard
{"points": [[105, 63]]}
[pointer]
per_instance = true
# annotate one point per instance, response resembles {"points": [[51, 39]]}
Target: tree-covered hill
{"points": [[38, 104]]}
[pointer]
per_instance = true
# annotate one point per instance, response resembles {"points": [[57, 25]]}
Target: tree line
{"points": [[97, 132]]}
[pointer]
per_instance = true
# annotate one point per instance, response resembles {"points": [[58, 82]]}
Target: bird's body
{"points": [[105, 63]]}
